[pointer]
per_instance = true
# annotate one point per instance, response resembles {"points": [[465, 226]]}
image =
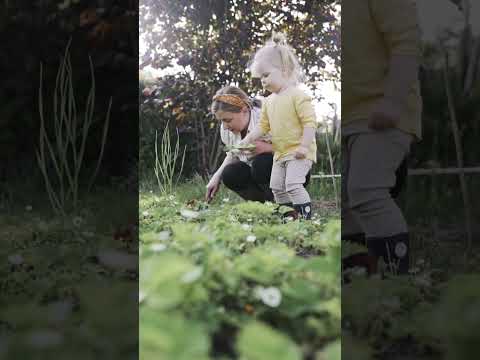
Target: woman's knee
{"points": [[262, 168], [235, 176]]}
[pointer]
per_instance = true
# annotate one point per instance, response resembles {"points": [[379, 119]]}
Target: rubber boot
{"points": [[394, 250], [362, 259], [304, 210], [293, 213]]}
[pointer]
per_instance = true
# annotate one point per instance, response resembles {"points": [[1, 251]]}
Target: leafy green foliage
{"points": [[57, 299], [233, 271], [259, 342]]}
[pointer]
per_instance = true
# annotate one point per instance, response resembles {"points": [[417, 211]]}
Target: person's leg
{"points": [[237, 177], [374, 159], [261, 172], [277, 183], [296, 171], [351, 228]]}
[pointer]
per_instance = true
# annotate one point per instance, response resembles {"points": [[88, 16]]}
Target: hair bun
{"points": [[279, 38]]}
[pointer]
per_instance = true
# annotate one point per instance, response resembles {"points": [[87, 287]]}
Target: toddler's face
{"points": [[271, 77], [235, 122]]}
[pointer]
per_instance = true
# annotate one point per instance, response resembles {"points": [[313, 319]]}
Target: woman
{"points": [[246, 173]]}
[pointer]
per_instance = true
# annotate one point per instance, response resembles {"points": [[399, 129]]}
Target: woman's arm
{"points": [[214, 183], [228, 160]]}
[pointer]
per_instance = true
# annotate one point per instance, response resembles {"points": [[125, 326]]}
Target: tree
{"points": [[211, 42]]}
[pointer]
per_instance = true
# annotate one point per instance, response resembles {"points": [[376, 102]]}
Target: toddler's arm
{"points": [[307, 139], [256, 133]]}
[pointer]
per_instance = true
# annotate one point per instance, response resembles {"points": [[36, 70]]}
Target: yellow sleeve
{"points": [[397, 20], [305, 110], [264, 121]]}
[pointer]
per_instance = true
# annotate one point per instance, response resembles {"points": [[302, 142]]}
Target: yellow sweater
{"points": [[285, 115], [372, 31]]}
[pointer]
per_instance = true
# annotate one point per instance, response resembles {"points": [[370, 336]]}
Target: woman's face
{"points": [[235, 122]]}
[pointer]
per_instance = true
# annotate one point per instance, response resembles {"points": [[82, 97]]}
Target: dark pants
{"points": [[252, 183]]}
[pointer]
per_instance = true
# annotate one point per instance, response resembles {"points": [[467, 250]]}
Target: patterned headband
{"points": [[230, 99]]}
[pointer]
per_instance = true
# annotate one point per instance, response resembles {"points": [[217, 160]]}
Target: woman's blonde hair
{"points": [[279, 54], [236, 106]]}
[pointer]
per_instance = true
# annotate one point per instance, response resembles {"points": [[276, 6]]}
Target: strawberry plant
{"points": [[230, 276]]}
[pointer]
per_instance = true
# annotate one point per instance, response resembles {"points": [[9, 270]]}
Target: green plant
{"points": [[231, 275], [65, 152], [165, 162]]}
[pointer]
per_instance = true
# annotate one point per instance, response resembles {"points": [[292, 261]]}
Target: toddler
{"points": [[288, 114]]}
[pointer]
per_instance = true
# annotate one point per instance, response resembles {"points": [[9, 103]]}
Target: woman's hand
{"points": [[212, 188], [263, 147]]}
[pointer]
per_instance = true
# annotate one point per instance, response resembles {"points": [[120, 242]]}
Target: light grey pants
{"points": [[288, 177], [369, 161]]}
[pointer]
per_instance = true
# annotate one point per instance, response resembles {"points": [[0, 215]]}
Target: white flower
{"points": [[60, 310], [158, 247], [251, 238], [414, 270], [226, 200], [359, 271], [193, 275], [145, 213], [163, 235], [423, 281], [246, 226], [15, 259], [270, 296], [420, 262], [119, 260], [249, 220], [189, 214], [64, 5], [77, 221], [44, 338]]}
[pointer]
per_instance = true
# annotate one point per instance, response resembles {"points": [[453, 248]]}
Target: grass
{"points": [[320, 190]]}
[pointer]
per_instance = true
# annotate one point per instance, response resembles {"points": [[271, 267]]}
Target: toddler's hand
{"points": [[385, 115], [301, 152], [263, 147]]}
